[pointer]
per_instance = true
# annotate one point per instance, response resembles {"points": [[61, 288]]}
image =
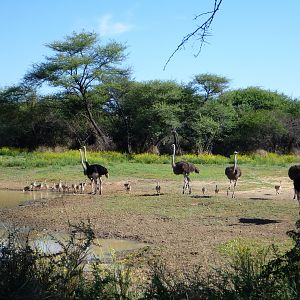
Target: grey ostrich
{"points": [[183, 168], [294, 173], [93, 172], [233, 173]]}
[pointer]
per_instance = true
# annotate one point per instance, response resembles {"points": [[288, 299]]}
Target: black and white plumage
{"points": [[183, 168], [297, 187], [294, 174], [93, 172], [233, 173]]}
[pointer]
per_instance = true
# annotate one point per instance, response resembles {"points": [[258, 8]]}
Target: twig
{"points": [[202, 31]]}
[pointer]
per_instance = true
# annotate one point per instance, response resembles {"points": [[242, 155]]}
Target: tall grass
{"points": [[26, 273], [12, 157]]}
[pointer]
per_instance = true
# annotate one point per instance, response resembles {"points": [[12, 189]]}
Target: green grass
{"points": [[11, 157]]}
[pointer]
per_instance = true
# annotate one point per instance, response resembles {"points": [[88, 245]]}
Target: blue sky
{"points": [[253, 42]]}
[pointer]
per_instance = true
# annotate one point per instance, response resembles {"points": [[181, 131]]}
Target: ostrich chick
{"points": [[81, 186], [204, 189], [278, 188], [157, 188], [27, 188], [127, 186], [217, 190]]}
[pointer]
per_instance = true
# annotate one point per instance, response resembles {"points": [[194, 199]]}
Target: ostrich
{"points": [[157, 188], [127, 186], [217, 190], [233, 173], [28, 188], [278, 188], [294, 172], [184, 168], [297, 187], [93, 172], [81, 186]]}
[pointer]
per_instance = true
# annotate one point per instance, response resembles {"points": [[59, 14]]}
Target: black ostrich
{"points": [[184, 168], [93, 172], [297, 187], [294, 174], [233, 173]]}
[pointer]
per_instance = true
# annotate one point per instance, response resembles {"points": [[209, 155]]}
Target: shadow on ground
{"points": [[257, 221], [201, 197]]}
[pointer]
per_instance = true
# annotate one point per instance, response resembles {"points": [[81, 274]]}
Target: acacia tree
{"points": [[78, 66], [211, 85]]}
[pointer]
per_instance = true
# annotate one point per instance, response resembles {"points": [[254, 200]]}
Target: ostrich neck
{"points": [[235, 163], [173, 158], [83, 165]]}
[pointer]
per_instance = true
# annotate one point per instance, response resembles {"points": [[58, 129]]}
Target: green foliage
{"points": [[252, 273], [12, 157], [255, 98], [211, 84], [99, 105]]}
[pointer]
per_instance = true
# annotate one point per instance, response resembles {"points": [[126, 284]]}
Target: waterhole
{"points": [[102, 249], [9, 199], [48, 243]]}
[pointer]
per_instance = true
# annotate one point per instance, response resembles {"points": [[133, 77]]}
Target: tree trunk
{"points": [[105, 140]]}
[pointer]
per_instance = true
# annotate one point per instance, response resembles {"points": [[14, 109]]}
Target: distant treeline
{"points": [[96, 103], [143, 120]]}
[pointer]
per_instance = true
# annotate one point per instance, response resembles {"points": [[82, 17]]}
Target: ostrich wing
{"points": [[231, 174], [183, 167], [294, 171]]}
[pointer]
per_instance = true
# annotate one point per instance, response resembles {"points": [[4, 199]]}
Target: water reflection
{"points": [[10, 199], [102, 249], [48, 244]]}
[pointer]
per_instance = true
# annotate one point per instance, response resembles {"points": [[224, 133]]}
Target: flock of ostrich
{"points": [[95, 172]]}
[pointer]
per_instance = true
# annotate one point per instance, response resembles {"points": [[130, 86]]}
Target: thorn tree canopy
{"points": [[78, 66]]}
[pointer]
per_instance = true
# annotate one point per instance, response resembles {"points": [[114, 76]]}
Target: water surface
{"points": [[9, 199]]}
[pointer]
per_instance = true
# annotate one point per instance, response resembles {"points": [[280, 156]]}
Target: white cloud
{"points": [[109, 28]]}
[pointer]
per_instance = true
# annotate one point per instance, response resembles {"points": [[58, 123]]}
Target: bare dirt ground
{"points": [[180, 241]]}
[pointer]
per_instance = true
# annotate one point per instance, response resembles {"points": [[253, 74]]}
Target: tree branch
{"points": [[201, 32]]}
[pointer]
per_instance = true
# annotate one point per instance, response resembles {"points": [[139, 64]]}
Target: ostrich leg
{"points": [[185, 183], [94, 186], [235, 182], [229, 188], [100, 186], [189, 184]]}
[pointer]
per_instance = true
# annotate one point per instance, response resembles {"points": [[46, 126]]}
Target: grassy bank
{"points": [[21, 158]]}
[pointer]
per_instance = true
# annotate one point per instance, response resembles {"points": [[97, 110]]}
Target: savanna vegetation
{"points": [[259, 266], [93, 100], [28, 273]]}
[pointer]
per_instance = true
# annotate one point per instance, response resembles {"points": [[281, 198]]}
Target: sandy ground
{"points": [[179, 241]]}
